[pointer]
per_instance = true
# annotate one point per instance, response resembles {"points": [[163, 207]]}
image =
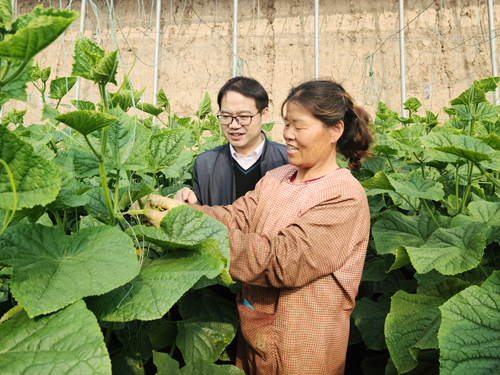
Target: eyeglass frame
{"points": [[235, 118]]}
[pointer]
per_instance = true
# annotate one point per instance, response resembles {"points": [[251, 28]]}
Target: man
{"points": [[227, 172]]}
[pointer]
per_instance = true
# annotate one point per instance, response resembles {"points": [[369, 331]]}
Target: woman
{"points": [[298, 241]]}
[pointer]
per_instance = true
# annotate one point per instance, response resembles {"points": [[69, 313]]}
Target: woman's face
{"points": [[311, 145]]}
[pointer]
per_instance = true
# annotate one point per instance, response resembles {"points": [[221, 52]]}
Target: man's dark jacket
{"points": [[213, 172]]}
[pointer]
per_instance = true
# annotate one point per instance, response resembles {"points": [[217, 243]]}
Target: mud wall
{"points": [[447, 47]]}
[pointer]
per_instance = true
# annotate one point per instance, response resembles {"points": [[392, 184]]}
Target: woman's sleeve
{"points": [[317, 244], [237, 215]]}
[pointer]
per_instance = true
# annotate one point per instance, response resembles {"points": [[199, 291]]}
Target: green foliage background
{"points": [[86, 287]]}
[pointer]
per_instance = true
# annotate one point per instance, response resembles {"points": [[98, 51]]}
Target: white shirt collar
{"points": [[246, 162]]}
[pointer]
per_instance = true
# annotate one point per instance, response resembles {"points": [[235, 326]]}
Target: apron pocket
{"points": [[258, 330]]}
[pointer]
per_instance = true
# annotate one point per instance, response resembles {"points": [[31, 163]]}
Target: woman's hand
{"points": [[186, 195], [157, 207]]}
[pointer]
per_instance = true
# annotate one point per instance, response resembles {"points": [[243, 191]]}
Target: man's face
{"points": [[244, 138]]}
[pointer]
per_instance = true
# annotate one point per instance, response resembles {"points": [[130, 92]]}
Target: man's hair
{"points": [[248, 87]]}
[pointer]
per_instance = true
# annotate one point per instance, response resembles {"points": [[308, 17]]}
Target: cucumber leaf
{"points": [[52, 270], [55, 343]]}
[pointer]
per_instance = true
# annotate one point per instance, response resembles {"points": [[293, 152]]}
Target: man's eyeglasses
{"points": [[240, 119]]}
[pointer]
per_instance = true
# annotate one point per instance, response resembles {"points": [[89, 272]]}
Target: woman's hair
{"points": [[330, 103]]}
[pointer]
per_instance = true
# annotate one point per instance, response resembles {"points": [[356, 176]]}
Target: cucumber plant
{"points": [[83, 287], [430, 293]]}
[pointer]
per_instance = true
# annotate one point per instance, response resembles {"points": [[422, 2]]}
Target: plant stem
{"points": [[390, 163], [98, 155], [15, 74], [109, 331], [430, 213], [490, 178], [483, 271], [161, 121], [5, 71], [58, 221], [407, 201], [403, 163], [172, 351], [8, 219], [117, 188], [105, 191], [9, 314], [456, 184], [467, 189]]}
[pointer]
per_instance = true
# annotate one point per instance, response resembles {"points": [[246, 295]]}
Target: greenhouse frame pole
{"points": [[157, 53], [493, 48], [235, 37], [402, 52], [82, 30], [316, 39]]}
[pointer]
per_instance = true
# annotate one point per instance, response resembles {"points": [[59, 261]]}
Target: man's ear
{"points": [[336, 131], [265, 112]]}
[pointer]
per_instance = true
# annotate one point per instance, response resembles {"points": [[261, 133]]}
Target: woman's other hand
{"points": [[186, 195]]}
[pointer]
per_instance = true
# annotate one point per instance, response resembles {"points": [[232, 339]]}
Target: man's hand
{"points": [[158, 207], [186, 195]]}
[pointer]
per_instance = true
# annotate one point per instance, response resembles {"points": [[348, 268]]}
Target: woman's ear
{"points": [[336, 131]]}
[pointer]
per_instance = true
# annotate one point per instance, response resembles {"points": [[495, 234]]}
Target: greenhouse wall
{"points": [[447, 46]]}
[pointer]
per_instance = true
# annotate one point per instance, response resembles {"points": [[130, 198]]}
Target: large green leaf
{"points": [[168, 366], [82, 105], [450, 251], [61, 86], [166, 147], [412, 318], [86, 122], [124, 362], [428, 364], [162, 99], [87, 55], [470, 96], [157, 288], [397, 229], [184, 226], [408, 138], [463, 146], [40, 32], [67, 342], [165, 364], [126, 97], [5, 14], [379, 183], [200, 340], [162, 333], [369, 316], [207, 368], [174, 171], [106, 69], [469, 337], [376, 266], [417, 187], [149, 108], [208, 306], [489, 213], [205, 107], [127, 147], [35, 178], [482, 113], [15, 89], [52, 270], [127, 195]]}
